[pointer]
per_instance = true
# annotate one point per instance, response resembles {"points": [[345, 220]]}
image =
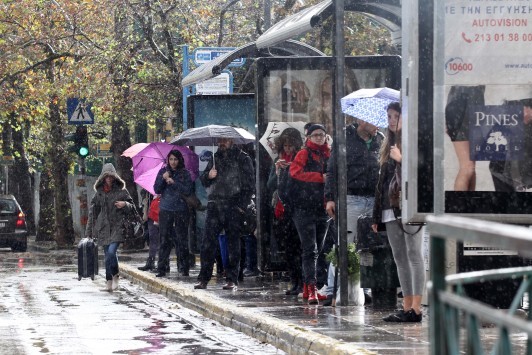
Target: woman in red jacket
{"points": [[307, 200]]}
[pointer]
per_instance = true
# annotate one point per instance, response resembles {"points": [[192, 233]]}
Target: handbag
{"points": [[192, 201], [133, 226], [394, 189]]}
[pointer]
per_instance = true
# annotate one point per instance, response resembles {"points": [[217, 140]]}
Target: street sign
{"points": [[7, 160], [79, 112], [204, 55], [216, 86]]}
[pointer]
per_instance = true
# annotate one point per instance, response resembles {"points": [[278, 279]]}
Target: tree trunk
{"points": [[46, 226], [59, 168], [21, 169]]}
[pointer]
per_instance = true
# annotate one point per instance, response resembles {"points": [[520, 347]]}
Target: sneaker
{"points": [[109, 286], [230, 286], [398, 316], [251, 273], [404, 317], [200, 285], [413, 317], [114, 283]]}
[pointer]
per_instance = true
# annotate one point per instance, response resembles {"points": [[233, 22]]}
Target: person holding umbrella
{"points": [[230, 179], [172, 182], [405, 240]]}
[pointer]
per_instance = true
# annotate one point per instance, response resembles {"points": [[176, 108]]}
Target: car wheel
{"points": [[19, 247]]}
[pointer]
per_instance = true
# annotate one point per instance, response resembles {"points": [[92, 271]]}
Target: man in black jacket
{"points": [[230, 182], [363, 142]]}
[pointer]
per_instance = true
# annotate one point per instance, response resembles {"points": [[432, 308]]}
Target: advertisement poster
{"points": [[488, 42], [488, 95]]}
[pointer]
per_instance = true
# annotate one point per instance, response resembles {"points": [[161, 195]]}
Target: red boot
{"points": [[312, 294], [321, 297], [305, 291]]}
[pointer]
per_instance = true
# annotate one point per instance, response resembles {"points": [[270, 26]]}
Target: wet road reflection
{"points": [[45, 309]]}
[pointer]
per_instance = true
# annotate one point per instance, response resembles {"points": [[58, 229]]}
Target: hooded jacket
{"points": [[105, 221]]}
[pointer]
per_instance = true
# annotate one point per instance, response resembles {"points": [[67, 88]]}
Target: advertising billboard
{"points": [[487, 108]]}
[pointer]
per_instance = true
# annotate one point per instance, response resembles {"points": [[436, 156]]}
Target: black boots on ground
{"points": [[150, 265]]}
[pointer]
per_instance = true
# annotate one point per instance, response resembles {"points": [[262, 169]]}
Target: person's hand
{"points": [[395, 153], [281, 163], [166, 175], [213, 173], [120, 204], [169, 181], [527, 115], [330, 208], [374, 228]]}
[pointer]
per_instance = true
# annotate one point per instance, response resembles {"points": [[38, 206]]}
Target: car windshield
{"points": [[7, 206]]}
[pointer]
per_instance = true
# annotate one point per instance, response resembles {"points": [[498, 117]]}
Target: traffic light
{"points": [[81, 141]]}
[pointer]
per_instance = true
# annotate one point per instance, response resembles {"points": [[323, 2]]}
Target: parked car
{"points": [[13, 229]]}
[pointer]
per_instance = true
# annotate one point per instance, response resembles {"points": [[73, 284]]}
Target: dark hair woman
{"points": [[287, 145], [307, 171], [405, 240], [171, 183]]}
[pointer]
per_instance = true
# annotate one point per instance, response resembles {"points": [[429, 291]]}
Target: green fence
{"points": [[455, 319]]}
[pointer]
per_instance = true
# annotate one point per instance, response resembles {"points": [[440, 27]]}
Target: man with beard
{"points": [[230, 182], [363, 142]]}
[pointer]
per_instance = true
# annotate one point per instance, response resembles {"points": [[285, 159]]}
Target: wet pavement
{"points": [[45, 309], [259, 308]]}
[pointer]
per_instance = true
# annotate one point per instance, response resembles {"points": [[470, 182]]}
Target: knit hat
{"points": [[315, 127]]}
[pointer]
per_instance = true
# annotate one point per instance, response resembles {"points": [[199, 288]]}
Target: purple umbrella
{"points": [[148, 162]]}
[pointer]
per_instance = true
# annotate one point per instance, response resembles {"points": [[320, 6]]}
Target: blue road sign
{"points": [[204, 55], [79, 111]]}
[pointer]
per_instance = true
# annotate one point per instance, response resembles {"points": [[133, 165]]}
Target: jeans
{"points": [[173, 228], [221, 216], [250, 242], [111, 260], [311, 229], [356, 207]]}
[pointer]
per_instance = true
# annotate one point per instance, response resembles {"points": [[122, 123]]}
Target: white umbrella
{"points": [[211, 134], [370, 105], [274, 130]]}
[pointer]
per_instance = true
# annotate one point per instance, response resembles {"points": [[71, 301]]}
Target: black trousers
{"points": [[221, 216], [173, 229]]}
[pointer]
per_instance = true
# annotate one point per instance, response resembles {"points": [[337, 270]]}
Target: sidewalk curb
{"points": [[291, 338]]}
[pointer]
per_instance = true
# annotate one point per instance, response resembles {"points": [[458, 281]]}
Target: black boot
{"points": [[295, 290], [150, 265]]}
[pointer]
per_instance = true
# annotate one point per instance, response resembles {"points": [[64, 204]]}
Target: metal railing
{"points": [[449, 305]]}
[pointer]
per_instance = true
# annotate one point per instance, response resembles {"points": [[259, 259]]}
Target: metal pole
{"points": [[186, 89], [339, 146], [267, 14], [83, 205], [437, 245]]}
